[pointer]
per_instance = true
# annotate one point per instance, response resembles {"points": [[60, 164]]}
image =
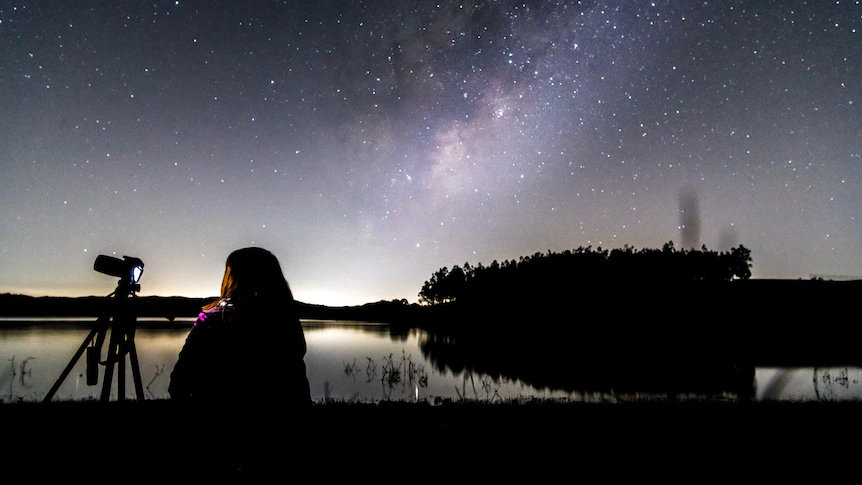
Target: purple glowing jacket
{"points": [[231, 357]]}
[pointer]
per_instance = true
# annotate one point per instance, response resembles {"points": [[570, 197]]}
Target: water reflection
{"points": [[19, 375], [371, 362], [346, 362], [542, 363], [395, 333], [32, 357], [393, 373], [807, 384]]}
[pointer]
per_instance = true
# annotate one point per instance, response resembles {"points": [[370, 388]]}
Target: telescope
{"points": [[128, 269], [121, 319]]}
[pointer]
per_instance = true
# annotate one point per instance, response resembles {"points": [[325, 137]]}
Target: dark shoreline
{"points": [[159, 437], [152, 322]]}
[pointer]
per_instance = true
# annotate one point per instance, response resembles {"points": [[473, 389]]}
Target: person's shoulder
{"points": [[210, 318]]}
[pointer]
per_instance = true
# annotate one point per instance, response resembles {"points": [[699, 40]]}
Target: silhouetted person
{"points": [[244, 354]]}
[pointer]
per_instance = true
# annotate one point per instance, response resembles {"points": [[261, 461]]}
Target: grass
{"points": [[19, 374], [392, 373]]}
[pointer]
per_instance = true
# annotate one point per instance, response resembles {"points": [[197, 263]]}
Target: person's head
{"points": [[253, 275]]}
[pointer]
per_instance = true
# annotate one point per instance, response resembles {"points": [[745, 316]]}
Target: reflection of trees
{"points": [[545, 363]]}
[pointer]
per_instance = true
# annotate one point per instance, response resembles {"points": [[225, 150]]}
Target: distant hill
{"points": [[171, 307]]}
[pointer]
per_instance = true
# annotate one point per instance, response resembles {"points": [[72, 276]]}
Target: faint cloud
{"points": [[689, 218]]}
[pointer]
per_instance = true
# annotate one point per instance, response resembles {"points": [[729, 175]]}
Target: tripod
{"points": [[121, 320]]}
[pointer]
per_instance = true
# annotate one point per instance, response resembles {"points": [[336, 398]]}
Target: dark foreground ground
{"points": [[539, 442]]}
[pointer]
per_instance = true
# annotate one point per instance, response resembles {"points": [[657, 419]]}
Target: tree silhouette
{"points": [[548, 275]]}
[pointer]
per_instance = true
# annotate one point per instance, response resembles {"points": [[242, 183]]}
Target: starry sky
{"points": [[367, 144]]}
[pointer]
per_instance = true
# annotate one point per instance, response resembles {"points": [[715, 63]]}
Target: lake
{"points": [[349, 361]]}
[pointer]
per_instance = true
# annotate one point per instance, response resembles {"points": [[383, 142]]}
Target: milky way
{"points": [[368, 144]]}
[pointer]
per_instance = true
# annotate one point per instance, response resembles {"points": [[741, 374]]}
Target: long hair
{"points": [[253, 283]]}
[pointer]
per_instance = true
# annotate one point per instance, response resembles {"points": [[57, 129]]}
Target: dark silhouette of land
{"points": [[650, 320]]}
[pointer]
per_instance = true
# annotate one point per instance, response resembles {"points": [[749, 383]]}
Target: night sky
{"points": [[369, 143]]}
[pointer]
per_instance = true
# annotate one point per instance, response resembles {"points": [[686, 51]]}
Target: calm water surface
{"points": [[345, 361]]}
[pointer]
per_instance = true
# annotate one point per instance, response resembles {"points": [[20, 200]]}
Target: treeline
{"points": [[395, 311], [551, 274], [170, 307]]}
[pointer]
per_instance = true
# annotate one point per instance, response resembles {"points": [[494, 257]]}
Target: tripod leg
{"points": [[121, 372], [94, 355], [109, 366], [136, 369], [69, 367]]}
